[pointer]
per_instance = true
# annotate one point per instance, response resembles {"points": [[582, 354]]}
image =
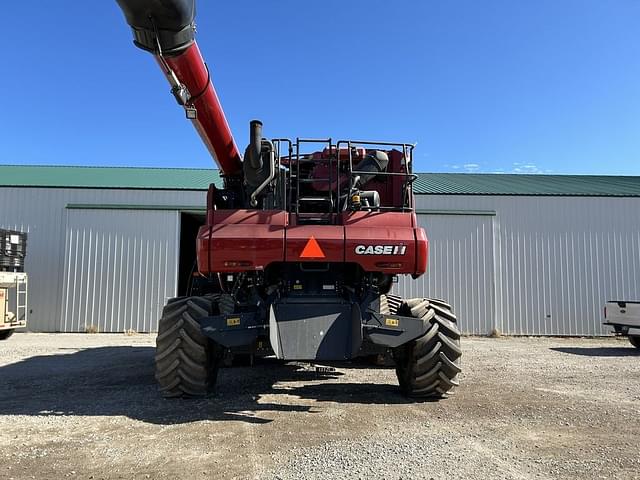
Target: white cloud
{"points": [[531, 168], [516, 167]]}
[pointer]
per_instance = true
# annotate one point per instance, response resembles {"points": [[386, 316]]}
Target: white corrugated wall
{"points": [[557, 260], [43, 214], [461, 268], [538, 266], [120, 269]]}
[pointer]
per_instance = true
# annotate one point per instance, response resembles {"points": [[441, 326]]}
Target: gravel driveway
{"points": [[86, 406]]}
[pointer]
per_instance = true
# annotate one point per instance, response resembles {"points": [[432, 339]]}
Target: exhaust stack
{"points": [[166, 28], [254, 152]]}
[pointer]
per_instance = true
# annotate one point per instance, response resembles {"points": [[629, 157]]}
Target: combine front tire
{"points": [[635, 340], [186, 360], [428, 366]]}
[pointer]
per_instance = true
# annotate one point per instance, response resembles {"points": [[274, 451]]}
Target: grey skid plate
{"points": [[315, 331]]}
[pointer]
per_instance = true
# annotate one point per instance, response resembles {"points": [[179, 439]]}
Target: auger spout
{"points": [[166, 28]]}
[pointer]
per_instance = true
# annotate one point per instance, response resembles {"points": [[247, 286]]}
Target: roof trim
{"points": [[193, 179], [116, 206], [480, 213]]}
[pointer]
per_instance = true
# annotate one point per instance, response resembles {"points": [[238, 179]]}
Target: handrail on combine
{"points": [[409, 176]]}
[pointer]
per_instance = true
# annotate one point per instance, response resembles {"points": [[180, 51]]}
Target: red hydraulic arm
{"points": [[166, 28]]}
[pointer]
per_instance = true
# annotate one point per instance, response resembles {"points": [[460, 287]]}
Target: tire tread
{"points": [[428, 366], [184, 359]]}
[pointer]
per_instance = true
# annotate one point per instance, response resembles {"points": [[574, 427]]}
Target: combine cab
{"points": [[300, 248]]}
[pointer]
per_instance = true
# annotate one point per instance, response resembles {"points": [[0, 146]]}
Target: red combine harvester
{"points": [[300, 248]]}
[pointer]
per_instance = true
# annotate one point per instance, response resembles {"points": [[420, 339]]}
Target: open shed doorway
{"points": [[190, 222]]}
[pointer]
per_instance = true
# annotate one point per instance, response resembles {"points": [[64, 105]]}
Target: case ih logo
{"points": [[381, 249]]}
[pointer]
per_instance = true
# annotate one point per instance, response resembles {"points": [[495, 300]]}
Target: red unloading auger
{"points": [[166, 28]]}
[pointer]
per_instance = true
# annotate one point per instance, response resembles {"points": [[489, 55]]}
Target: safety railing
{"points": [[408, 176]]}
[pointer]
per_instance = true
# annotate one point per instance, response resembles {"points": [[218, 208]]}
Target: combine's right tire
{"points": [[635, 340], [186, 360], [4, 334], [428, 366]]}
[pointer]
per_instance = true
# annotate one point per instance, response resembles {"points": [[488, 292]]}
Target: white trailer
{"points": [[624, 317], [13, 295]]}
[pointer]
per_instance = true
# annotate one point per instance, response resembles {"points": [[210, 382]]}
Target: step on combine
{"points": [[301, 246]]}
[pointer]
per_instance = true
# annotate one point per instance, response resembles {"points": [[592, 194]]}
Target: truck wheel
{"points": [[186, 360], [429, 366], [4, 334], [635, 340]]}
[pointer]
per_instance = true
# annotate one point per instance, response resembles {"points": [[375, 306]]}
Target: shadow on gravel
{"points": [[111, 381], [362, 393], [114, 381], [600, 351]]}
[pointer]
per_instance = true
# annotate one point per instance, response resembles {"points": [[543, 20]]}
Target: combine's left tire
{"points": [[428, 367], [186, 360], [635, 341]]}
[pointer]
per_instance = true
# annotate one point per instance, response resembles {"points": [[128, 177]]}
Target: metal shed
{"points": [[525, 254], [530, 254]]}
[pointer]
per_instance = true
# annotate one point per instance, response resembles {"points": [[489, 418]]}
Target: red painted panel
{"points": [[245, 240], [422, 252], [330, 239], [391, 250], [274, 218], [379, 219], [241, 240], [381, 241]]}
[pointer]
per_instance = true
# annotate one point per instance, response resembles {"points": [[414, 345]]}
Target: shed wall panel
{"points": [[559, 259], [460, 269], [120, 269], [41, 212]]}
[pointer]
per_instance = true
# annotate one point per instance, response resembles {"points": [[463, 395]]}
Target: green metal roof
{"points": [[426, 184], [521, 184], [107, 177]]}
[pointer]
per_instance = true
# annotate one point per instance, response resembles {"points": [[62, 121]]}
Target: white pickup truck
{"points": [[624, 317]]}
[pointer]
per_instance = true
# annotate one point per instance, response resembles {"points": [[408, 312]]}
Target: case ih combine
{"points": [[301, 246]]}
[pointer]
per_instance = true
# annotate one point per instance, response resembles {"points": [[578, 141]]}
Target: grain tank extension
{"points": [[301, 246]]}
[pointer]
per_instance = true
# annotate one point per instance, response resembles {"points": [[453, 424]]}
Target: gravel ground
{"points": [[86, 406]]}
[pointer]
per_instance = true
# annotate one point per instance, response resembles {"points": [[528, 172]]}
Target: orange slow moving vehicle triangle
{"points": [[312, 249]]}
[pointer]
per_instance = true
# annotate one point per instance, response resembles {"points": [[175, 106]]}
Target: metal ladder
{"points": [[22, 289], [326, 202]]}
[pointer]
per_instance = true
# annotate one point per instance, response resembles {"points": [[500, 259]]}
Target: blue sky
{"points": [[490, 86]]}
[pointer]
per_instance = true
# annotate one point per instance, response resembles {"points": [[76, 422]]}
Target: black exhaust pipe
{"points": [[255, 144], [255, 170], [171, 22]]}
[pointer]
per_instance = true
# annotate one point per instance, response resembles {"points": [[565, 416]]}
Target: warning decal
{"points": [[312, 250]]}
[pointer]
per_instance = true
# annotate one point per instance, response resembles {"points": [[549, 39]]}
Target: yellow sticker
{"points": [[297, 287], [391, 322], [232, 322]]}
